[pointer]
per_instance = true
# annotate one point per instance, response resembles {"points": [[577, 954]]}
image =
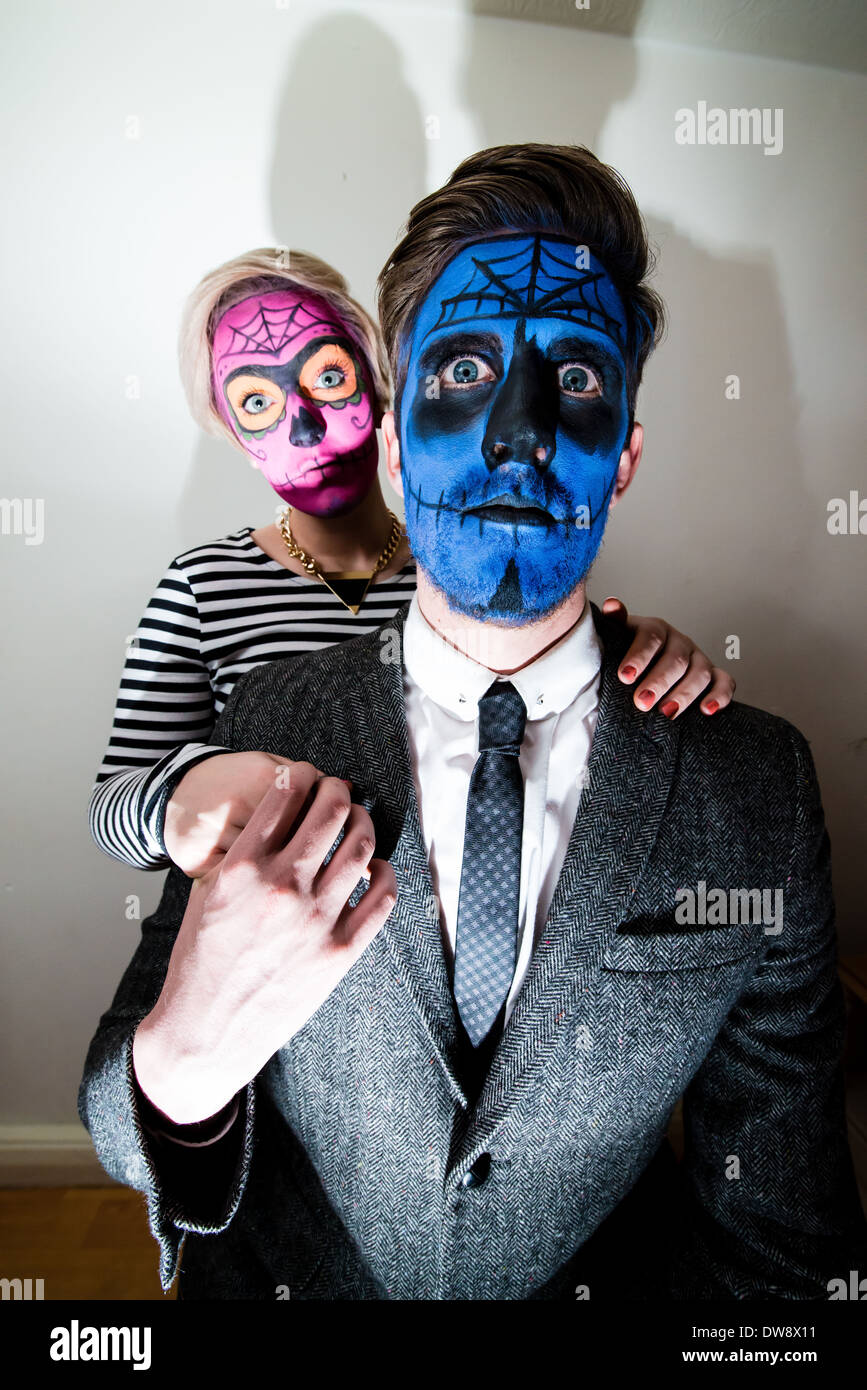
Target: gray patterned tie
{"points": [[487, 928]]}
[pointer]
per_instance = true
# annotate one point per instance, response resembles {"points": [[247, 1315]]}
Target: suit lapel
{"points": [[629, 777], [413, 932]]}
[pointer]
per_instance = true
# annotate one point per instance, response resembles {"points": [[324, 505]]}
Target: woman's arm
{"points": [[163, 717]]}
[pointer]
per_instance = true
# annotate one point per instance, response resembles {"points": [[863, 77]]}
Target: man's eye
{"points": [[465, 371], [256, 402], [577, 380]]}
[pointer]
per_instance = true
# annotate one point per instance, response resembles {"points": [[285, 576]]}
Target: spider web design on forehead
{"points": [[526, 284], [270, 330]]}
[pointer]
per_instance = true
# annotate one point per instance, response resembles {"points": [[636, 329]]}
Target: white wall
{"points": [[305, 125]]}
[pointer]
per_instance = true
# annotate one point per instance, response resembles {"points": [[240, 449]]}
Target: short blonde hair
{"points": [[260, 272]]}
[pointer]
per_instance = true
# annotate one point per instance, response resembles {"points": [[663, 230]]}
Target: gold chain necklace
{"points": [[354, 584]]}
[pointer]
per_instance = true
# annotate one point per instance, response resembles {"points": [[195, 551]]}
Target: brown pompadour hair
{"points": [[557, 188]]}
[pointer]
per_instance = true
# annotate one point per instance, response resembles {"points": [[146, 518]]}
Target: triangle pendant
{"points": [[348, 586]]}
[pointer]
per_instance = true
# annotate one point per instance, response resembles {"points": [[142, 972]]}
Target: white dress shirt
{"points": [[561, 692]]}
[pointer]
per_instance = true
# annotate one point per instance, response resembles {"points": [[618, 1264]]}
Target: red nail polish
{"points": [[669, 709], [646, 697], [711, 707], [629, 672]]}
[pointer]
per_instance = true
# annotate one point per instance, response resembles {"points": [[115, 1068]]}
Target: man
{"points": [[453, 1080]]}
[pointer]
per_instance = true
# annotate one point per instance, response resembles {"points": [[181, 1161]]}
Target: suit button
{"points": [[475, 1176]]}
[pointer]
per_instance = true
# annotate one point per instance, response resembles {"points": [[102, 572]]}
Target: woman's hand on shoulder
{"points": [[667, 668]]}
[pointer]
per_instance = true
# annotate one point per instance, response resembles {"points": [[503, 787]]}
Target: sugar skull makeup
{"points": [[511, 424], [292, 384]]}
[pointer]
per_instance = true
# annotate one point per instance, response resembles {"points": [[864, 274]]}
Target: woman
{"points": [[279, 359]]}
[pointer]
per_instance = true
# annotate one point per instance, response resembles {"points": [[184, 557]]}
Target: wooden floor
{"points": [[83, 1242]]}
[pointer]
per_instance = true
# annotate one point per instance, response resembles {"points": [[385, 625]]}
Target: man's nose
{"points": [[305, 430], [522, 426]]}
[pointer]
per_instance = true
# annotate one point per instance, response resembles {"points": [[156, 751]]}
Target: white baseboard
{"points": [[49, 1156]]}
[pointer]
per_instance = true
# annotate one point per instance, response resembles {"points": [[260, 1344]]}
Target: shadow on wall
{"points": [[719, 516], [717, 527], [325, 152]]}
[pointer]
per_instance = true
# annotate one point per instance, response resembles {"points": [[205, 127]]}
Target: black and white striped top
{"points": [[219, 610]]}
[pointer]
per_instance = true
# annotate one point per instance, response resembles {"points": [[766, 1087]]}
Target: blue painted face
{"points": [[512, 422]]}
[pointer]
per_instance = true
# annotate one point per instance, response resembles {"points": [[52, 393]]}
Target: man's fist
{"points": [[211, 805], [266, 937]]}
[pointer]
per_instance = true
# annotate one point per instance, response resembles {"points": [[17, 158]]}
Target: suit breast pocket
{"points": [[684, 950]]}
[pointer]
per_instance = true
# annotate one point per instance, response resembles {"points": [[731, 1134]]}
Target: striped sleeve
{"points": [[163, 717]]}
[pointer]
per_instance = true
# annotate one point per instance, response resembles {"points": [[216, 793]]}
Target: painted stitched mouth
{"points": [[323, 470], [511, 509], [506, 504]]}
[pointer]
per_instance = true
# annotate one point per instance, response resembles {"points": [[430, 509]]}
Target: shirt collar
{"points": [[547, 685]]}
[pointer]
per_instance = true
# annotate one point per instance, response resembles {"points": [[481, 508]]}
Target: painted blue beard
{"points": [[508, 574], [515, 390]]}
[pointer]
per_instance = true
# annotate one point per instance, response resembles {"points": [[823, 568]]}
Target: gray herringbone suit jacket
{"points": [[348, 1174]]}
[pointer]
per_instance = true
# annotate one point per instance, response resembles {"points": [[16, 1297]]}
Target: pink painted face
{"points": [[293, 385]]}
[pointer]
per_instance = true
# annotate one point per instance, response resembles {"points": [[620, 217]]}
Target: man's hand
{"points": [[211, 805], [266, 937], [677, 672]]}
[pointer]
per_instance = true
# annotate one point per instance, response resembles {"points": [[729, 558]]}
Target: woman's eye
{"points": [[256, 402], [254, 405], [329, 380], [465, 371], [329, 376], [576, 380]]}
